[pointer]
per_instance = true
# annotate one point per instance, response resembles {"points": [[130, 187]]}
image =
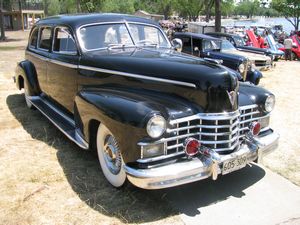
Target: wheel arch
{"points": [[26, 75]]}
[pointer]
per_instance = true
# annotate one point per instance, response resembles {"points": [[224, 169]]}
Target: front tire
{"points": [[110, 157]]}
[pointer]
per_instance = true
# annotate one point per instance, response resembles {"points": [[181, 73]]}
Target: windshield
{"points": [[211, 45], [226, 45], [101, 36], [147, 35], [239, 41]]}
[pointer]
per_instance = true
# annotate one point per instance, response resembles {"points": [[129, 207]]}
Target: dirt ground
{"points": [[46, 179]]}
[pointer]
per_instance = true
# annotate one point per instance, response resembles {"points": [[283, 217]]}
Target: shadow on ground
{"points": [[130, 204]]}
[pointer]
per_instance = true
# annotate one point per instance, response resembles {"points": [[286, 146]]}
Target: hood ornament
{"points": [[232, 97]]}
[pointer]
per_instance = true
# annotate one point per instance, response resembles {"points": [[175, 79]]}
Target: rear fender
{"points": [[25, 70]]}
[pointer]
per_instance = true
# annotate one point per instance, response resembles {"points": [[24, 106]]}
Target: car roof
{"points": [[77, 20], [195, 35], [222, 34]]}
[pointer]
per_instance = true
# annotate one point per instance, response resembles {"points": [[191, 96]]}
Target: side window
{"points": [[45, 38], [33, 38], [187, 45], [63, 41]]}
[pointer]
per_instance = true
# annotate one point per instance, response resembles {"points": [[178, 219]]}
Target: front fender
{"points": [[27, 71], [254, 76], [126, 113]]}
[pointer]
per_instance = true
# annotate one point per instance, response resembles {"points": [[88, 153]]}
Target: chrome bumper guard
{"points": [[198, 168]]}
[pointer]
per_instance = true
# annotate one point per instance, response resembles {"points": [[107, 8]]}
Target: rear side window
{"points": [[45, 38], [63, 41], [33, 38]]}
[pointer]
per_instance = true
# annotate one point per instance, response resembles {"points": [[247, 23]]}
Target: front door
{"points": [[62, 68]]}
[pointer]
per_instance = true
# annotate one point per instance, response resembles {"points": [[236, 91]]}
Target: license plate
{"points": [[234, 164]]}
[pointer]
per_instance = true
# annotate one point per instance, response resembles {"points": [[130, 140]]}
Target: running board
{"points": [[62, 121]]}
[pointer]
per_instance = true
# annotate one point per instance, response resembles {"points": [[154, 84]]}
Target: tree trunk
{"points": [[2, 37], [78, 6], [218, 15], [208, 7], [46, 7]]}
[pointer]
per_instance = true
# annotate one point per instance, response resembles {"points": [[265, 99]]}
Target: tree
{"points": [[117, 6], [190, 9], [208, 6], [2, 37], [218, 15], [248, 8], [290, 9], [227, 7]]}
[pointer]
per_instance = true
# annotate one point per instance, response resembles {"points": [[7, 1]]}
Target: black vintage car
{"points": [[205, 46], [114, 84], [240, 44]]}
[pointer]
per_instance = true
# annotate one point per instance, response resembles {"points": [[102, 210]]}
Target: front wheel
{"points": [[110, 157]]}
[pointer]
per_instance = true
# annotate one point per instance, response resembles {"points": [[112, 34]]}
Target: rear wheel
{"points": [[110, 157], [294, 56]]}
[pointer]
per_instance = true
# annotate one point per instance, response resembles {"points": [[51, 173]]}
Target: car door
{"points": [[38, 53], [62, 68]]}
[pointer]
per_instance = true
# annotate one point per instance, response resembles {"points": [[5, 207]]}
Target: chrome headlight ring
{"points": [[156, 126]]}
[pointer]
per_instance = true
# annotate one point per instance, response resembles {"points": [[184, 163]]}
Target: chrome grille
{"points": [[221, 132]]}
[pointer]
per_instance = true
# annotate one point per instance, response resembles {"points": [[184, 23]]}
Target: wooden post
{"points": [[22, 19], [33, 18]]}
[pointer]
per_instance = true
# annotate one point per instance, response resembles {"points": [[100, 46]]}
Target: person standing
{"points": [[261, 41], [288, 44]]}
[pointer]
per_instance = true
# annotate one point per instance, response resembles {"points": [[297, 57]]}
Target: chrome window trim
{"points": [[29, 40], [139, 76], [126, 23], [63, 52]]}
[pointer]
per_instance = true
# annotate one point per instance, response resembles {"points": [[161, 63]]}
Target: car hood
{"points": [[158, 63], [207, 81], [249, 55]]}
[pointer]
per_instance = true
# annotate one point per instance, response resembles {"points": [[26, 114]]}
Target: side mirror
{"points": [[177, 44]]}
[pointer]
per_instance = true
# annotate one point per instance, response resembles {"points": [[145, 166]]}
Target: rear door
{"points": [[38, 53], [62, 68]]}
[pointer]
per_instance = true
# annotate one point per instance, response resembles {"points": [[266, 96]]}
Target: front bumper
{"points": [[197, 168]]}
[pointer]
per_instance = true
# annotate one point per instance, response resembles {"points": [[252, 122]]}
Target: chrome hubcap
{"points": [[112, 155]]}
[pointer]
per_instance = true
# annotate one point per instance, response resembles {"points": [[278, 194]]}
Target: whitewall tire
{"points": [[28, 103], [110, 157]]}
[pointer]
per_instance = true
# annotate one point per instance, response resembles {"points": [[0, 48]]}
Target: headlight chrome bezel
{"points": [[242, 68], [154, 131], [269, 103]]}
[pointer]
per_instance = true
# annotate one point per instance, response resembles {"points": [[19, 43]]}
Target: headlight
{"points": [[242, 68], [156, 126], [269, 103]]}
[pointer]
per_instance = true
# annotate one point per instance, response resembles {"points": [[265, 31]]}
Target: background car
{"points": [[205, 46], [239, 43]]}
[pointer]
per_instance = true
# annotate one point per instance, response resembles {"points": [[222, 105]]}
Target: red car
{"points": [[296, 47]]}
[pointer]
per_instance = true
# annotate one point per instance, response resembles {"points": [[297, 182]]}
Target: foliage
{"points": [[247, 8], [190, 9], [117, 6], [290, 9]]}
